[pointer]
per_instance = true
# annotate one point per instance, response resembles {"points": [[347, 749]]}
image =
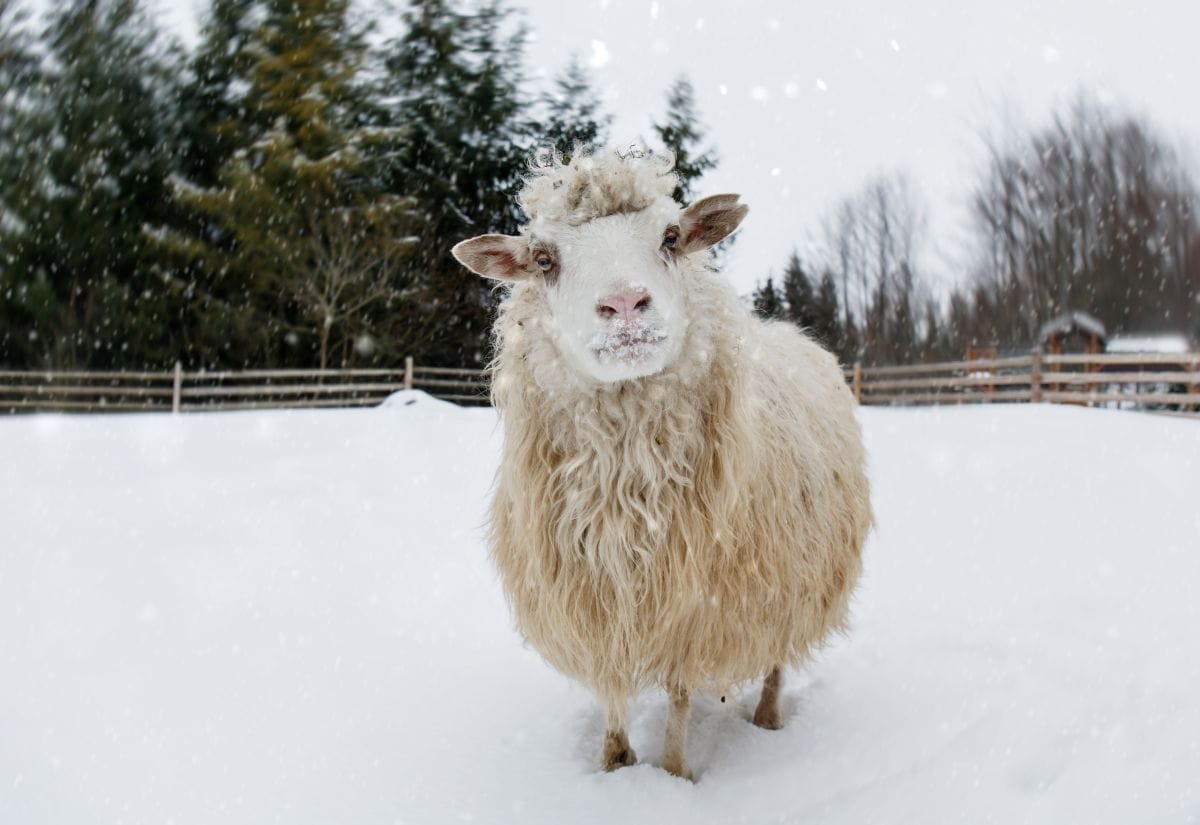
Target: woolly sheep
{"points": [[682, 498]]}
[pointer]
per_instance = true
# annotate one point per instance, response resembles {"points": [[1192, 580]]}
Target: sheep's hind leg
{"points": [[676, 745], [616, 752], [766, 715]]}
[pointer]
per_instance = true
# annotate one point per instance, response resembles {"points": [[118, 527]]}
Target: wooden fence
{"points": [[186, 391], [1167, 383]]}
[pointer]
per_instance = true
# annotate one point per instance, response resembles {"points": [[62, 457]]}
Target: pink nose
{"points": [[624, 305]]}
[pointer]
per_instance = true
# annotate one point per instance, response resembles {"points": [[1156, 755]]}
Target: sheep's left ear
{"points": [[504, 257], [710, 220]]}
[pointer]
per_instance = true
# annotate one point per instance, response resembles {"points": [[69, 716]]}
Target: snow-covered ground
{"points": [[289, 617]]}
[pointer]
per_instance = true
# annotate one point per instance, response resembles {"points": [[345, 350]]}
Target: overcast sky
{"points": [[804, 102]]}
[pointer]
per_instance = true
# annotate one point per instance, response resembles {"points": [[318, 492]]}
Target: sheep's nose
{"points": [[624, 305]]}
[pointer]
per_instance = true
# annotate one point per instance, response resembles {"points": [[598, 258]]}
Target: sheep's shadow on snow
{"points": [[718, 732]]}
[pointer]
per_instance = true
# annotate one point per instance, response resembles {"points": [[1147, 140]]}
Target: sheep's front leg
{"points": [[766, 715], [677, 721], [616, 752]]}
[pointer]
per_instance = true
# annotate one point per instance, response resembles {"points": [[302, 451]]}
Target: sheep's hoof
{"points": [[681, 770], [768, 719], [621, 759], [617, 753]]}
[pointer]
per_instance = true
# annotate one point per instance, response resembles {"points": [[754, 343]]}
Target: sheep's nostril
{"points": [[643, 303], [605, 311]]}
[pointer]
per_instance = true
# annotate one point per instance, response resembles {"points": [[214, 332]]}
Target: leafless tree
{"points": [[872, 245], [1094, 212], [351, 257]]}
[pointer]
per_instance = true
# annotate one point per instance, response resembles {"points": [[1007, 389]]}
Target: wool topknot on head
{"points": [[594, 184]]}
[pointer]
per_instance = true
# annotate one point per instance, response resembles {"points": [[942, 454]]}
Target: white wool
{"points": [[595, 184], [693, 527]]}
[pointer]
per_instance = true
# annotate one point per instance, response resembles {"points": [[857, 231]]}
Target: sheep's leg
{"points": [[766, 715], [677, 721], [616, 752]]}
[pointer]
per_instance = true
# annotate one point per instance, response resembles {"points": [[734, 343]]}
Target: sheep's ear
{"points": [[709, 220], [504, 257]]}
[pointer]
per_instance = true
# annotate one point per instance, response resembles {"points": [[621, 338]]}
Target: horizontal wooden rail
{"points": [[1120, 358], [68, 389], [446, 371], [1121, 378], [930, 398], [280, 404], [1173, 399], [290, 389], [872, 385], [51, 405], [231, 375], [82, 375], [949, 366]]}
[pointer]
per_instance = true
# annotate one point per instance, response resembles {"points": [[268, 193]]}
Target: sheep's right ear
{"points": [[504, 257]]}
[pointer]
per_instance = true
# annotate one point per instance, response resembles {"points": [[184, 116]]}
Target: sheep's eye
{"points": [[544, 263], [670, 238]]}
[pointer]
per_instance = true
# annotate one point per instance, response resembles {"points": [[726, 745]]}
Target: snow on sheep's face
{"points": [[614, 285]]}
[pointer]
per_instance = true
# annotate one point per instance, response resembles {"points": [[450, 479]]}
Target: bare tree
{"points": [[350, 261], [1093, 212], [872, 245]]}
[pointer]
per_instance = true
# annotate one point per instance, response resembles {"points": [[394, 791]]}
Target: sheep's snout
{"points": [[624, 305]]}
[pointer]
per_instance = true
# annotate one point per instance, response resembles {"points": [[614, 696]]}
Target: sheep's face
{"points": [[615, 286]]}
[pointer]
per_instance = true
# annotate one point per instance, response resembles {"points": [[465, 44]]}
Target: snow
{"points": [[1163, 344], [290, 617], [627, 341]]}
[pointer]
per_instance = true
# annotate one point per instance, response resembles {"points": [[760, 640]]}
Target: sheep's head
{"points": [[612, 253]]}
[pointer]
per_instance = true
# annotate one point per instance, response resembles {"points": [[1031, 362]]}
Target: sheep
{"points": [[682, 499]]}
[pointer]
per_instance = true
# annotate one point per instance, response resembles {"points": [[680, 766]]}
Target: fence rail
{"points": [[1165, 383], [188, 391]]}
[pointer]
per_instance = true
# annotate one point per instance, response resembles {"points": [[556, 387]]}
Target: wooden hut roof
{"points": [[1075, 321]]}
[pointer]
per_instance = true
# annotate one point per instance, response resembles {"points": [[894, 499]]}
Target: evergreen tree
{"points": [[453, 81], [104, 130], [221, 324], [826, 321], [214, 106], [682, 134], [313, 245], [20, 78], [768, 302], [25, 303], [573, 112], [798, 294]]}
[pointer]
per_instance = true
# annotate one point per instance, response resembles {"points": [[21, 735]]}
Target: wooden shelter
{"points": [[1075, 332]]}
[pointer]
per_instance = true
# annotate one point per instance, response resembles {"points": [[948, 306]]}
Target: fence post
{"points": [[1035, 377], [857, 382], [177, 390], [408, 372]]}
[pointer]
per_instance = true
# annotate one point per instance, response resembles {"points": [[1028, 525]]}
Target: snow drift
{"points": [[289, 616]]}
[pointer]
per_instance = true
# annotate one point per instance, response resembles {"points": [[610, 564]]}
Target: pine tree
{"points": [[104, 131], [214, 107], [826, 320], [26, 304], [682, 134], [768, 302], [453, 81], [221, 325], [314, 244], [573, 115], [798, 294]]}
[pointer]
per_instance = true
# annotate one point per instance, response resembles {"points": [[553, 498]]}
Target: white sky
{"points": [[804, 102]]}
